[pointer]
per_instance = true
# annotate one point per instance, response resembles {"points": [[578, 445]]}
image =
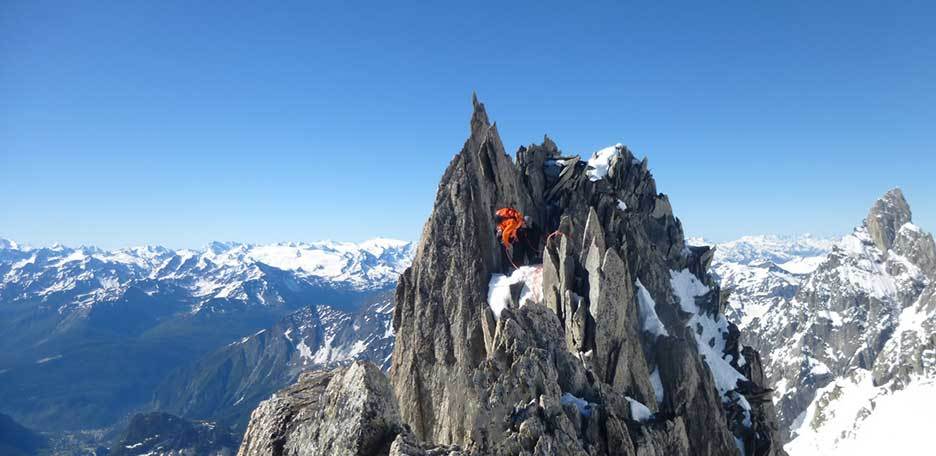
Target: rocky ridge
{"points": [[615, 344]]}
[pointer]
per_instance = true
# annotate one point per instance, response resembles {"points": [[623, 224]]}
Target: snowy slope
{"points": [[851, 416]]}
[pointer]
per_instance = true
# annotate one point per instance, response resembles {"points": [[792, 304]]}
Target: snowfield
{"points": [[853, 417]]}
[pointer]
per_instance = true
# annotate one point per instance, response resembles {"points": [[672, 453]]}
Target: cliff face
{"points": [[345, 411], [614, 344]]}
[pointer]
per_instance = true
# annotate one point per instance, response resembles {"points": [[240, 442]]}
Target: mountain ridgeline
{"points": [[615, 343], [227, 384], [91, 337]]}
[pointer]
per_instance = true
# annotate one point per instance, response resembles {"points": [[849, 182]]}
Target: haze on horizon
{"points": [[177, 124]]}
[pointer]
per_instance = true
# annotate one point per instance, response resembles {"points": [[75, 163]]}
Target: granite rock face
{"points": [[885, 218], [497, 385], [346, 411], [624, 349]]}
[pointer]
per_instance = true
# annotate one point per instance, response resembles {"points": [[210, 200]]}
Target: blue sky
{"points": [[177, 123]]}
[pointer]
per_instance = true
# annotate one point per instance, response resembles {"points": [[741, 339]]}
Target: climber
{"points": [[521, 239], [509, 221]]}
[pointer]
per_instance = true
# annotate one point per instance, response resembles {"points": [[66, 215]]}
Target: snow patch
{"points": [[304, 352], [804, 265], [499, 288], [600, 162], [639, 412], [834, 317], [911, 228], [657, 384], [649, 320], [709, 332]]}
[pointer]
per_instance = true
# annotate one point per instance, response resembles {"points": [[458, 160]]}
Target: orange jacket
{"points": [[509, 222]]}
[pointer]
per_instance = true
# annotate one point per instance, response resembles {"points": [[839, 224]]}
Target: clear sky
{"points": [[177, 123]]}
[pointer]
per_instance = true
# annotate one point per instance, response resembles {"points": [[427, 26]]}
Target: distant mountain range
{"points": [[89, 335], [847, 328], [763, 270]]}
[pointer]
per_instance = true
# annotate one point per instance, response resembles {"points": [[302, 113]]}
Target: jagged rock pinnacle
{"points": [[567, 365], [498, 386], [479, 118], [885, 218]]}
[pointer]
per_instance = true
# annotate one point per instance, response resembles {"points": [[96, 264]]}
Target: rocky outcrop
{"points": [[885, 218], [343, 412], [918, 247], [615, 344]]}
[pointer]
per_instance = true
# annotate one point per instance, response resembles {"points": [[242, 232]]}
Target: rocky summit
{"points": [[609, 340]]}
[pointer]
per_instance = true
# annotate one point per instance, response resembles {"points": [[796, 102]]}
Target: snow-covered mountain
{"points": [[848, 332], [763, 271], [795, 254], [76, 278], [90, 334]]}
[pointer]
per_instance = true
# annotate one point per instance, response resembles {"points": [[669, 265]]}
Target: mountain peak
{"points": [[479, 117], [885, 218], [570, 342], [219, 247]]}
